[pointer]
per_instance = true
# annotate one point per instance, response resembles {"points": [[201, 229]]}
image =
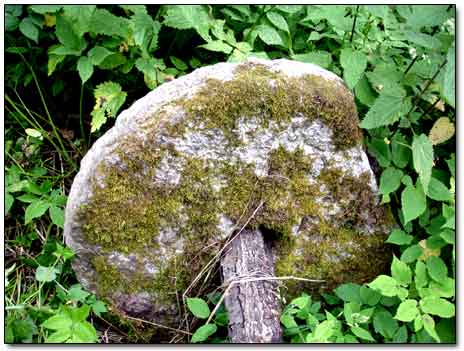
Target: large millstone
{"points": [[265, 146]]}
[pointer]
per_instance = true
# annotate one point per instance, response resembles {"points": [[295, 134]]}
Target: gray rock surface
{"points": [[147, 128]]}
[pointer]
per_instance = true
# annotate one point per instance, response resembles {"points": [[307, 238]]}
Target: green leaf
{"points": [[398, 237], [269, 35], [85, 332], [188, 16], [386, 285], [85, 68], [436, 268], [401, 335], [420, 277], [112, 61], [57, 216], [202, 333], [60, 336], [149, 67], [278, 20], [97, 54], [35, 209], [429, 326], [362, 333], [442, 130], [218, 46], [448, 236], [364, 92], [349, 292], [98, 307], [323, 331], [384, 324], [437, 306], [198, 307], [109, 98], [422, 156], [104, 22], [369, 296], [390, 180], [386, 110], [24, 330], [9, 199], [29, 29], [401, 272], [413, 203], [65, 33], [354, 64], [46, 274], [407, 311], [53, 61], [57, 322], [320, 58], [77, 294], [288, 321], [449, 76], [411, 254], [400, 153], [43, 9], [301, 302], [438, 191], [178, 63]]}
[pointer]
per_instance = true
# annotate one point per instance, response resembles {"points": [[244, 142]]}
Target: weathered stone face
{"points": [[193, 160]]}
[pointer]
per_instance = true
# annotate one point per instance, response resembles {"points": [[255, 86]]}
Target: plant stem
{"points": [[354, 23], [411, 64], [81, 121]]}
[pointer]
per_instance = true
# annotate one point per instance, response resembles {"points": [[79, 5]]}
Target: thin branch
{"points": [[410, 65], [354, 24], [158, 325]]}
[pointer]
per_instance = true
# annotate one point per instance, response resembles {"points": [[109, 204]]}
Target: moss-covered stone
{"points": [[169, 207]]}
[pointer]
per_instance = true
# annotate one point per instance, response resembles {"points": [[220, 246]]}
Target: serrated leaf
{"points": [[422, 156], [437, 306], [29, 29], [35, 209], [188, 16], [401, 272], [104, 22], [202, 333], [386, 110], [278, 20], [198, 307], [97, 54], [109, 98], [398, 237], [436, 268], [85, 68], [269, 35], [441, 131], [407, 311], [354, 64], [57, 216], [218, 46]]}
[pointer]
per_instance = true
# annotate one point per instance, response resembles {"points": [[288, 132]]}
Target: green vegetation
{"points": [[70, 69]]}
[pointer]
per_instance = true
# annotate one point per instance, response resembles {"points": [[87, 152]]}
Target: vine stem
{"points": [[354, 24]]}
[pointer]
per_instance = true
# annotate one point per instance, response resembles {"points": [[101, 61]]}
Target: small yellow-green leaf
{"points": [[441, 131]]}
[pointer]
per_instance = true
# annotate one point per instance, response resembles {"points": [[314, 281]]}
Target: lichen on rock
{"points": [[271, 144]]}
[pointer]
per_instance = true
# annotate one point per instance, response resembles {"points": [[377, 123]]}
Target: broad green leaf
{"points": [[57, 322], [79, 314], [46, 274], [60, 336], [85, 332], [362, 333], [57, 216], [53, 61], [401, 272], [422, 39], [369, 296], [150, 67], [411, 254], [448, 236], [384, 324], [98, 307], [386, 110], [386, 285], [65, 33], [413, 203], [289, 8], [354, 64], [269, 35], [80, 17], [450, 216], [441, 131], [288, 321], [104, 22], [364, 92], [188, 16], [449, 78], [407, 311], [420, 277], [301, 302], [390, 180], [401, 335], [418, 324], [422, 156], [320, 58], [29, 29], [445, 288], [436, 268], [437, 306], [85, 68], [323, 331], [9, 199], [400, 153], [278, 20], [438, 191], [178, 63], [77, 294], [109, 98], [97, 54], [419, 16], [112, 61], [380, 150], [218, 46], [24, 330], [43, 9], [349, 292], [202, 333], [35, 209], [198, 307], [429, 326], [398, 237]]}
